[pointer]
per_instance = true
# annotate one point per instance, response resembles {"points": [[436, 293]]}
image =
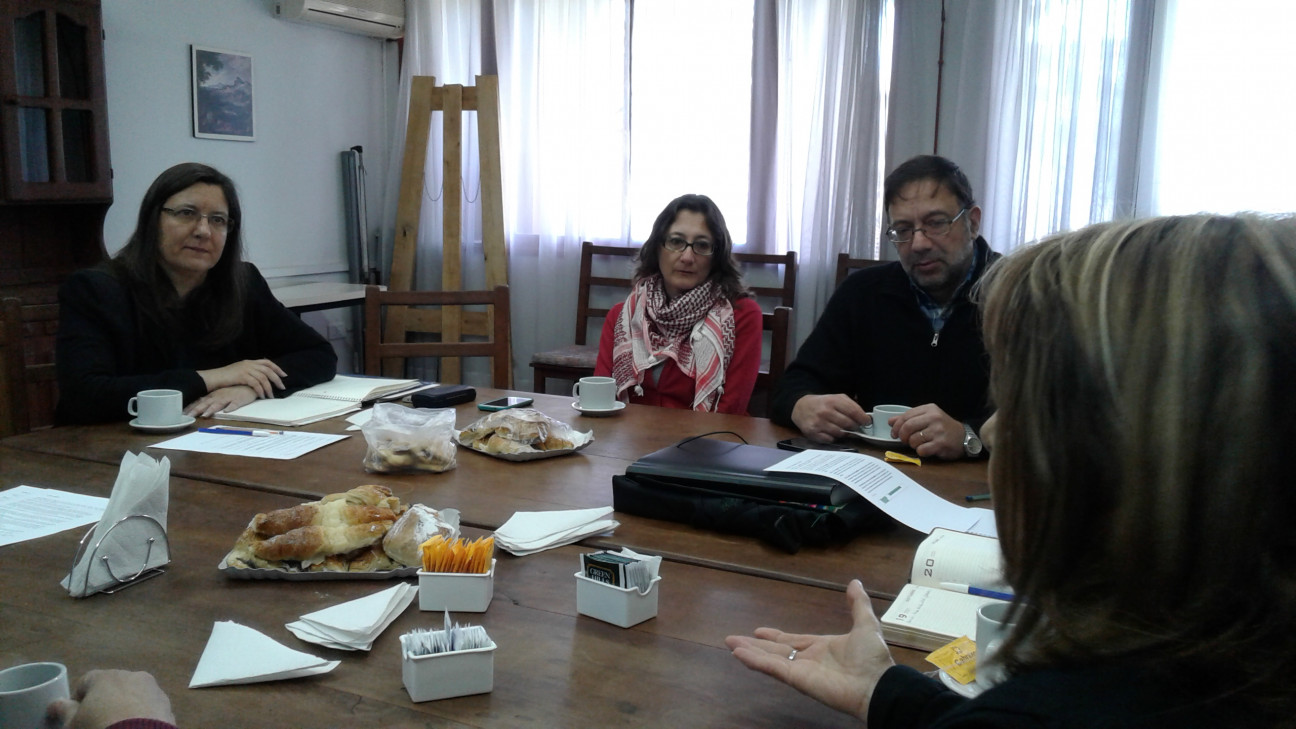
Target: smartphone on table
{"points": [[805, 444], [504, 403]]}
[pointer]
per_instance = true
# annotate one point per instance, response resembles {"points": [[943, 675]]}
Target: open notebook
{"points": [[339, 396], [936, 607]]}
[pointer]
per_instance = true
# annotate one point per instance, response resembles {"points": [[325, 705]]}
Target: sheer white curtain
{"points": [[833, 78], [1056, 123], [564, 127], [1221, 139]]}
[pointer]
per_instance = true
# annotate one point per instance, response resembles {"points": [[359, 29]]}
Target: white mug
{"points": [[595, 393], [157, 407], [883, 413], [991, 630], [26, 691]]}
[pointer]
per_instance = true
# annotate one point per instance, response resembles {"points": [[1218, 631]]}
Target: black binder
{"points": [[738, 469]]}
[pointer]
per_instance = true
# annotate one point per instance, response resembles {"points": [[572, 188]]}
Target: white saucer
{"points": [[876, 440], [600, 412], [188, 421], [971, 690]]}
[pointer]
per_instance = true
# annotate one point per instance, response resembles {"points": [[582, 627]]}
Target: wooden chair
{"points": [[777, 323], [846, 265], [496, 347], [28, 380], [576, 361]]}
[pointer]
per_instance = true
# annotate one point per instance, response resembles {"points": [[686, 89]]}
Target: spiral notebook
{"points": [[341, 395]]}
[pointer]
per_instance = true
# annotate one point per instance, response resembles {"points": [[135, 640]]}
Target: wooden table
{"points": [[487, 491], [552, 666]]}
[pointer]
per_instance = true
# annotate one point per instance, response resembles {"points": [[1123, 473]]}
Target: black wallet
{"points": [[443, 396]]}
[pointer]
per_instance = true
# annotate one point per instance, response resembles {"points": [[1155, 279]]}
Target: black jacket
{"points": [[874, 343], [1111, 695], [106, 353]]}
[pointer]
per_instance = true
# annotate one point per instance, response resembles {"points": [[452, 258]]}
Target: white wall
{"points": [[317, 92]]}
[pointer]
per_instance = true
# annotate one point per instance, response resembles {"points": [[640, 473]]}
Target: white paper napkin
{"points": [[142, 489], [238, 654], [354, 625], [528, 532]]}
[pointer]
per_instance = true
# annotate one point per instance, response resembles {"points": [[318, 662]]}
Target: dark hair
{"points": [[724, 268], [1141, 460], [219, 301], [928, 167]]}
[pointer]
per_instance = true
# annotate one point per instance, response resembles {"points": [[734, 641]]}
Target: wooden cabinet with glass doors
{"points": [[52, 101]]}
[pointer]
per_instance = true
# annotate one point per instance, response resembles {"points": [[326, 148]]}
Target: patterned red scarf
{"points": [[696, 330]]}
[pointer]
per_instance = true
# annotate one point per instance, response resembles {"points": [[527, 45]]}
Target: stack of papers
{"points": [[238, 654], [354, 625], [527, 532]]}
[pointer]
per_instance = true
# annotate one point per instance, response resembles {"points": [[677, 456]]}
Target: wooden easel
{"points": [[451, 100]]}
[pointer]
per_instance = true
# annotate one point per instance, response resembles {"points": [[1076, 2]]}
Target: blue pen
{"points": [[235, 431], [981, 591]]}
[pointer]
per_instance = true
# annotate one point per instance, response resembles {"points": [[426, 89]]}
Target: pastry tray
{"points": [[262, 573]]}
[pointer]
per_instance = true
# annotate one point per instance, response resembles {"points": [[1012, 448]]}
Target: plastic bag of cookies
{"points": [[403, 439]]}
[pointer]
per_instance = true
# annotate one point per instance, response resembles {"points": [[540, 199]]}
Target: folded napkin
{"points": [[142, 489], [528, 532], [354, 625], [238, 654]]}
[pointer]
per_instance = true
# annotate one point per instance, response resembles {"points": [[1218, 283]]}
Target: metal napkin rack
{"points": [[142, 572]]}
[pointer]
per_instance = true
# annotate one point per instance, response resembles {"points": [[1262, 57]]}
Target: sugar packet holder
{"points": [[461, 592], [618, 587], [441, 664]]}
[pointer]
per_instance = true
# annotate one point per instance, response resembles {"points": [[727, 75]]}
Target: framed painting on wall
{"points": [[222, 94]]}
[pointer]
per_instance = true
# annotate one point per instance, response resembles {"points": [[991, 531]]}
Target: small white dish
{"points": [[970, 691], [184, 423], [599, 412]]}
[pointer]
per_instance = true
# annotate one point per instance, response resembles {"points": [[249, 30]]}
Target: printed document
{"points": [[28, 512], [282, 447], [886, 487]]}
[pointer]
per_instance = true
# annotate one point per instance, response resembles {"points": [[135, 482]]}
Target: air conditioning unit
{"points": [[378, 18]]}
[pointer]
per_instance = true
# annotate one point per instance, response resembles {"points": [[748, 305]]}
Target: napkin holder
{"points": [[447, 675], [151, 530], [621, 606], [458, 592]]}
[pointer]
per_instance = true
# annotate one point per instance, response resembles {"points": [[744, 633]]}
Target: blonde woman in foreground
{"points": [[1144, 375]]}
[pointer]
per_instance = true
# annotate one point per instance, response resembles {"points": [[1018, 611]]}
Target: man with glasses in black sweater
{"points": [[905, 332]]}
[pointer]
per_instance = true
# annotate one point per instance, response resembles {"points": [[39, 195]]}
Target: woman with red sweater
{"points": [[689, 334]]}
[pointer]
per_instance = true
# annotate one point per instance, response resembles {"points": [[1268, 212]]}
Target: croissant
{"points": [[311, 542], [330, 513]]}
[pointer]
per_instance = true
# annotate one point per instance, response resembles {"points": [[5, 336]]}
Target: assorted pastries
{"points": [[520, 431], [366, 529]]}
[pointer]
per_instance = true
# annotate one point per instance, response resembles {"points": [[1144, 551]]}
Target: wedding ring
{"points": [[792, 655], [922, 434]]}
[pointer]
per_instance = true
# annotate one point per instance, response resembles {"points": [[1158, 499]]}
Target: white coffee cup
{"points": [[595, 393], [157, 407], [26, 692], [883, 413], [991, 630]]}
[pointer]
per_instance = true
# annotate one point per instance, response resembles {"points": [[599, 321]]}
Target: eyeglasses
{"points": [[219, 222], [702, 246], [933, 227]]}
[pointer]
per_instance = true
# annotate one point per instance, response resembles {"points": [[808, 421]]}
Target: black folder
{"points": [[727, 467]]}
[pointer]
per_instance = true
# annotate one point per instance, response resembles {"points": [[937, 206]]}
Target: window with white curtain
{"points": [[1222, 131], [690, 101]]}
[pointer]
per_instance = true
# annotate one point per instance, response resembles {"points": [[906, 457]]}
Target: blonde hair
{"points": [[1145, 378]]}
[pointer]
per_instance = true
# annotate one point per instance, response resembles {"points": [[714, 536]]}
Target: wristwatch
{"points": [[971, 443]]}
